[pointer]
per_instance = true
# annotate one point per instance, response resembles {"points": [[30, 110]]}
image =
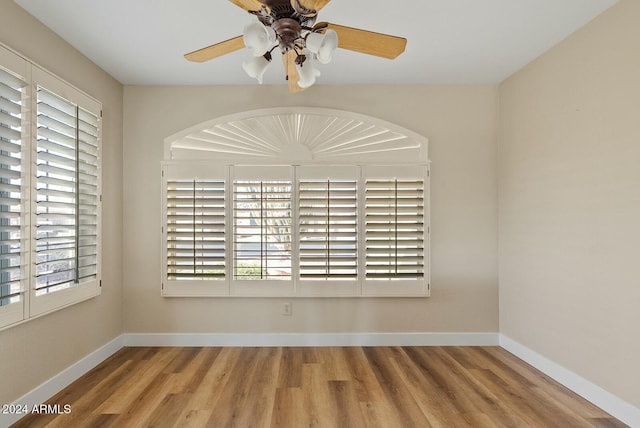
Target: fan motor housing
{"points": [[288, 30]]}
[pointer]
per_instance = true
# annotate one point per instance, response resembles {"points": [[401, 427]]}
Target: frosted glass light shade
{"points": [[323, 45], [255, 67], [308, 74], [258, 38]]}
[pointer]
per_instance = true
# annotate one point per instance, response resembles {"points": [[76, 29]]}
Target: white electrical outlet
{"points": [[287, 309]]}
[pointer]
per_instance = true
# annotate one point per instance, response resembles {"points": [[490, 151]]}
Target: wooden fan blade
{"points": [[248, 5], [314, 4], [367, 42], [214, 51], [289, 60]]}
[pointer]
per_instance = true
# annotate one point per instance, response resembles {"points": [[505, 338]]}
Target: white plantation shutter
{"points": [[12, 236], [395, 228], [262, 229], [328, 229], [195, 230], [67, 194], [50, 137], [307, 230]]}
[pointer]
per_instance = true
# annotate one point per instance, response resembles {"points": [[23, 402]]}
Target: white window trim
{"points": [[296, 138], [30, 306]]}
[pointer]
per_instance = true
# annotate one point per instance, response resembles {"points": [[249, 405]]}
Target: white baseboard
{"points": [[608, 402], [311, 339], [51, 387]]}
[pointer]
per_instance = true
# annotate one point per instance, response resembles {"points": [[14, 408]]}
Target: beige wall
{"points": [[569, 203], [461, 124], [33, 352]]}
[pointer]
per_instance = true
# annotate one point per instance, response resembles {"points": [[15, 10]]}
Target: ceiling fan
{"points": [[290, 25]]}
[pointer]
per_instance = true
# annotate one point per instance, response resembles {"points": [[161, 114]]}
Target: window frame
{"points": [[296, 287], [31, 305], [301, 137]]}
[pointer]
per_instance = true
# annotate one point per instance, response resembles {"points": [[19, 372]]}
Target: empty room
{"points": [[287, 213]]}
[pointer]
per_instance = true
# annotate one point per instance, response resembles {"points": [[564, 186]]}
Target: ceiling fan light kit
{"points": [[290, 25]]}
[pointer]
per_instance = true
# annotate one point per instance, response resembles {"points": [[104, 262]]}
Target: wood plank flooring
{"points": [[319, 387]]}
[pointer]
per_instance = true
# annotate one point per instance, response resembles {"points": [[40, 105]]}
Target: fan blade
{"points": [[248, 5], [313, 4], [289, 60], [367, 42], [214, 51]]}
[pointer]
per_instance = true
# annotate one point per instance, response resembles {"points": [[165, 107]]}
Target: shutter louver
{"points": [[195, 230], [262, 230], [328, 229], [12, 247], [394, 211], [88, 195], [67, 201]]}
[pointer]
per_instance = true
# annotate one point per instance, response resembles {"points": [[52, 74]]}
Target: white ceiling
{"points": [[142, 42]]}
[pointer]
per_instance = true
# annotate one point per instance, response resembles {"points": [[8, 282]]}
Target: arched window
{"points": [[296, 201]]}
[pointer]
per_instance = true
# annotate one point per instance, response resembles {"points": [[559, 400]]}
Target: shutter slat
{"points": [[11, 80], [8, 146], [44, 169], [50, 138], [9, 188], [10, 93], [9, 215], [11, 107], [10, 174], [44, 181], [9, 161], [10, 121]]}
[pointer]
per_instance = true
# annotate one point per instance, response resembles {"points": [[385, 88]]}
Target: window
{"points": [[308, 202], [331, 231], [49, 192]]}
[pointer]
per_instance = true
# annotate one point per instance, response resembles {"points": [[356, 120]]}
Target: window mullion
{"points": [[362, 229], [193, 229], [295, 230], [328, 259], [395, 223]]}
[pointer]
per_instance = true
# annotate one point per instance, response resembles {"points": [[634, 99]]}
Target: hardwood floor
{"points": [[319, 387]]}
